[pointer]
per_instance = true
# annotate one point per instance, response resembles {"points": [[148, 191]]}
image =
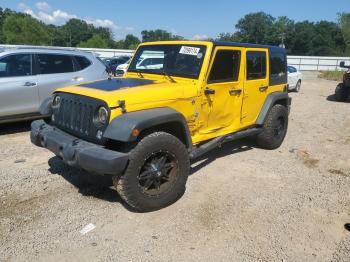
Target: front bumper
{"points": [[347, 83], [77, 152]]}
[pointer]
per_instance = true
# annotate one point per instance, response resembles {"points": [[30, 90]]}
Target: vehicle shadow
{"points": [[347, 226], [88, 184], [332, 98], [226, 149], [13, 128], [100, 187]]}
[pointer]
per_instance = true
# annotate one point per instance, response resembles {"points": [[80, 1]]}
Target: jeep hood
{"points": [[132, 90]]}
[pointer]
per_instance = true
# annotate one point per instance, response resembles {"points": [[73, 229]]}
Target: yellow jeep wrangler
{"points": [[177, 101]]}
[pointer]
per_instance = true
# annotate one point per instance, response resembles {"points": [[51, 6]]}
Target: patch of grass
{"points": [[332, 75]]}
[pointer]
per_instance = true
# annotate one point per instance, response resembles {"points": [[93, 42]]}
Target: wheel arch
{"points": [[272, 99], [148, 121]]}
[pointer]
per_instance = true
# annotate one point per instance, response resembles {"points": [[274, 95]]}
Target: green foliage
{"points": [[332, 75], [159, 35], [300, 38], [130, 42], [344, 22], [96, 41], [24, 30], [77, 31], [255, 27]]}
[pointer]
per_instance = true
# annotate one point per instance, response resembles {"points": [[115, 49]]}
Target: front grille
{"points": [[76, 116]]}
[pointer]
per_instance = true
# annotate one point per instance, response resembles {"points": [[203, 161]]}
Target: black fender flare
{"points": [[120, 129], [271, 100]]}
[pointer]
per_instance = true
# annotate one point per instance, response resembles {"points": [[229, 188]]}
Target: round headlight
{"points": [[56, 102], [102, 115]]}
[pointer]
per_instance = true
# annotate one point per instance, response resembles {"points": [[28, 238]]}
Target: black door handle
{"points": [[209, 91], [235, 92], [28, 84], [263, 88]]}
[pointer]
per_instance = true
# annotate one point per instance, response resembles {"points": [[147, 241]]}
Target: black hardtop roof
{"points": [[238, 44]]}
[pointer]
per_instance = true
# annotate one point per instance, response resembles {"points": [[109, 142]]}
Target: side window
{"points": [[16, 65], [278, 64], [83, 62], [256, 65], [55, 64], [226, 66]]}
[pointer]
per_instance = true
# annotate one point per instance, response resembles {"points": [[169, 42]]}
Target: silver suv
{"points": [[28, 76]]}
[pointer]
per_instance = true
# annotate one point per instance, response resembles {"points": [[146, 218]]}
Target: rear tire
{"points": [[341, 93], [274, 129], [157, 173]]}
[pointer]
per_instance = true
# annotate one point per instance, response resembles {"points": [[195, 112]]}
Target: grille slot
{"points": [[76, 116]]}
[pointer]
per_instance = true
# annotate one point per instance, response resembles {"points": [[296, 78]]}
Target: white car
{"points": [[121, 69], [151, 61], [294, 79]]}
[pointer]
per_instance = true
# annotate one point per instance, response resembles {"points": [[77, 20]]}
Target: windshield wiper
{"points": [[165, 73], [137, 71]]}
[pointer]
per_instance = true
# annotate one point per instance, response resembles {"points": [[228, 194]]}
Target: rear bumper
{"points": [[76, 152]]}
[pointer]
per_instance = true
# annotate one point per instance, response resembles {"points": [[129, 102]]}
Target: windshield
{"points": [[174, 60]]}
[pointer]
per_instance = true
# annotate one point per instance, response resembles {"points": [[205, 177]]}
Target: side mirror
{"points": [[108, 69], [342, 65]]}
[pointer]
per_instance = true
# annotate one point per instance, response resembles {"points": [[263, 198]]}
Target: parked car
{"points": [[342, 91], [121, 69], [114, 62], [148, 61], [144, 128], [29, 76], [294, 79]]}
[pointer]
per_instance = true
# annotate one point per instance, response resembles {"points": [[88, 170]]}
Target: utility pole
{"points": [[282, 45]]}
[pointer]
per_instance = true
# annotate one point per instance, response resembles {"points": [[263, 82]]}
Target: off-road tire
{"points": [[268, 138], [341, 93], [128, 185]]}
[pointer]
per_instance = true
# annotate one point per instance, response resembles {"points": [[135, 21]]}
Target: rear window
{"points": [[278, 67], [292, 69], [256, 65], [55, 64], [16, 65], [83, 62]]}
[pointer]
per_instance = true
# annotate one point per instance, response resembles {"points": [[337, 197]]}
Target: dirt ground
{"points": [[241, 203]]}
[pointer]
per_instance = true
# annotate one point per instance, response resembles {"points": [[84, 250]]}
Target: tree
{"points": [[23, 29], [304, 33], [2, 19], [225, 37], [159, 35], [328, 39], [344, 22], [282, 32], [77, 31], [131, 42], [96, 41], [255, 28]]}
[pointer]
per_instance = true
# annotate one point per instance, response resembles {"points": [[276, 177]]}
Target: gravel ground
{"points": [[241, 203]]}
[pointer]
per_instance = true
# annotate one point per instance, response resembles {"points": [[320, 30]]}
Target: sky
{"points": [[192, 19]]}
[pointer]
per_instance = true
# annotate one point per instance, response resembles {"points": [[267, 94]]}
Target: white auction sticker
{"points": [[187, 50]]}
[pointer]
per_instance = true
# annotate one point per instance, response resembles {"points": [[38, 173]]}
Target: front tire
{"points": [[157, 173], [274, 129], [341, 93], [297, 87]]}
